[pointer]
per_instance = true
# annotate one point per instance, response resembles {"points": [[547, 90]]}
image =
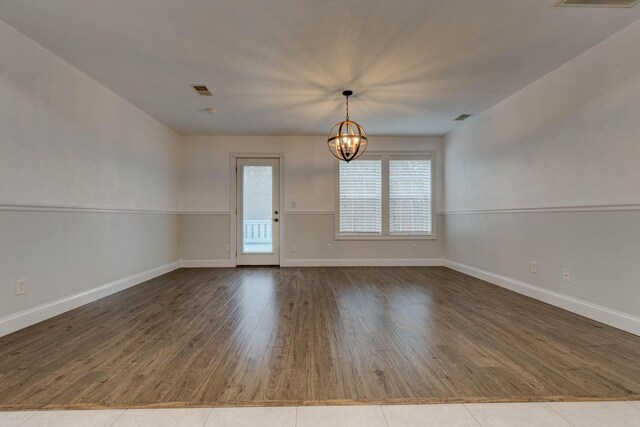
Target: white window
{"points": [[386, 196], [410, 196], [361, 197]]}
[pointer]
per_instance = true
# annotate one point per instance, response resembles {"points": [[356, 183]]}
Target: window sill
{"points": [[386, 237]]}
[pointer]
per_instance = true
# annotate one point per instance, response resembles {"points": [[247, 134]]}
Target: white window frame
{"points": [[384, 157]]}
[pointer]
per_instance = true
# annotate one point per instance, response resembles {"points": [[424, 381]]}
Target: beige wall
{"points": [[66, 140], [309, 182], [204, 236], [88, 187], [551, 175]]}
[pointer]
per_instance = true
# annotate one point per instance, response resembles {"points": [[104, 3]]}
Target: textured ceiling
{"points": [[278, 67]]}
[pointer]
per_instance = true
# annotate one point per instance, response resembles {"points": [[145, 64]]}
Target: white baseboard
{"points": [[617, 319], [205, 263], [322, 262], [42, 312], [364, 262]]}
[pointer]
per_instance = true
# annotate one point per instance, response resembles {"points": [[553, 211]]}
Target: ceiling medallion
{"points": [[347, 140]]}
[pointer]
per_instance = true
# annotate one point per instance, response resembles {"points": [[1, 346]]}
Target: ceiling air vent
{"points": [[598, 3], [462, 117], [201, 90]]}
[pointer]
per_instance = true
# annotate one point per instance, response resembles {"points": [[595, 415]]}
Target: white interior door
{"points": [[258, 215]]}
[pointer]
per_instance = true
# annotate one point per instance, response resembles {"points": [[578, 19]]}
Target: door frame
{"points": [[233, 206]]}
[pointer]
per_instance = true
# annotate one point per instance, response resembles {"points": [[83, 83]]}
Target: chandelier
{"points": [[347, 140]]}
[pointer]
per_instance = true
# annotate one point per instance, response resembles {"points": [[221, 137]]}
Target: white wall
{"points": [[309, 182], [89, 191], [88, 185], [571, 142], [66, 140]]}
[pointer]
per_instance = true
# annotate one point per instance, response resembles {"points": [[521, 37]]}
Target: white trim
{"points": [[309, 212], [205, 213], [570, 208], [272, 257], [364, 262], [385, 237], [233, 208], [398, 154], [31, 316], [384, 157], [258, 155], [233, 158], [617, 319], [77, 208], [283, 220], [561, 3], [206, 263]]}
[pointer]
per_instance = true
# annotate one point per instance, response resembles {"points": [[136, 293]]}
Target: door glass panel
{"points": [[257, 205]]}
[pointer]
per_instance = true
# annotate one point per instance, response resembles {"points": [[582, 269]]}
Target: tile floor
{"points": [[618, 414]]}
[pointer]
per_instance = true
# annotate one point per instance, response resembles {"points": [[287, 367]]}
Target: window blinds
{"points": [[410, 196], [361, 197]]}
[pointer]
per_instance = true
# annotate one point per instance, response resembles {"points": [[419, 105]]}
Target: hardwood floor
{"points": [[269, 336]]}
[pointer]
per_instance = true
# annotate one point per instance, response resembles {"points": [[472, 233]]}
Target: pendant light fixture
{"points": [[347, 140]]}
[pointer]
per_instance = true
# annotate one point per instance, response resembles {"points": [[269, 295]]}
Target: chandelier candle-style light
{"points": [[347, 140]]}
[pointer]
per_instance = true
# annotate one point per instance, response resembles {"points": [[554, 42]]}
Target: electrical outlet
{"points": [[566, 275], [294, 248], [330, 247], [293, 204], [226, 248], [21, 287], [414, 247], [534, 267]]}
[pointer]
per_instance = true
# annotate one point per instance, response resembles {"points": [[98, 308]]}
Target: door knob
{"points": [[275, 220]]}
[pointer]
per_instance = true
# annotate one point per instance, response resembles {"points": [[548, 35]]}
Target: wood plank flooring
{"points": [[302, 336]]}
